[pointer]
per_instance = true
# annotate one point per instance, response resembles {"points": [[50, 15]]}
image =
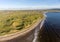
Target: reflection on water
{"points": [[50, 32]]}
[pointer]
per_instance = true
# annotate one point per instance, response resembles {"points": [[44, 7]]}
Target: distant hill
{"points": [[55, 9]]}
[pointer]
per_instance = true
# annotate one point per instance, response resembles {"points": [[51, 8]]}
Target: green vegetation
{"points": [[11, 22]]}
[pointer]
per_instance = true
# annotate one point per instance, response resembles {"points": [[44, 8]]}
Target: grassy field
{"points": [[14, 21]]}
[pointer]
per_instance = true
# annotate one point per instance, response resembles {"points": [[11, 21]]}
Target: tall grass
{"points": [[16, 20]]}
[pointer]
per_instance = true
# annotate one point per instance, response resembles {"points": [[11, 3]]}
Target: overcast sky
{"points": [[29, 4]]}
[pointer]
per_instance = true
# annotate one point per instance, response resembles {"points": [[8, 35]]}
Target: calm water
{"points": [[50, 32]]}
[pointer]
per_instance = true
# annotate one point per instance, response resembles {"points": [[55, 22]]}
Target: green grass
{"points": [[17, 21]]}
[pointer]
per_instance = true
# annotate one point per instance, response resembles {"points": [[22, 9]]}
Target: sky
{"points": [[29, 4]]}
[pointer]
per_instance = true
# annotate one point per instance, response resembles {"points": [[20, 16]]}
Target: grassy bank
{"points": [[14, 21]]}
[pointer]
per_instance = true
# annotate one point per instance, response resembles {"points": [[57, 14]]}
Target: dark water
{"points": [[50, 32]]}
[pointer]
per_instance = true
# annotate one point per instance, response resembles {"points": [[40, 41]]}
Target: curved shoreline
{"points": [[37, 29], [9, 37]]}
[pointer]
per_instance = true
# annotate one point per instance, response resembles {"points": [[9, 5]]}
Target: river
{"points": [[50, 32]]}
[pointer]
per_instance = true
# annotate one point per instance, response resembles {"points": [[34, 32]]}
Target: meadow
{"points": [[14, 21]]}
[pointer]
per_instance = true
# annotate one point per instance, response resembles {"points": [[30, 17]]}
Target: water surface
{"points": [[50, 32]]}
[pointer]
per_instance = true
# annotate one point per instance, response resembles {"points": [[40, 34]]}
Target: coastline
{"points": [[37, 29]]}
